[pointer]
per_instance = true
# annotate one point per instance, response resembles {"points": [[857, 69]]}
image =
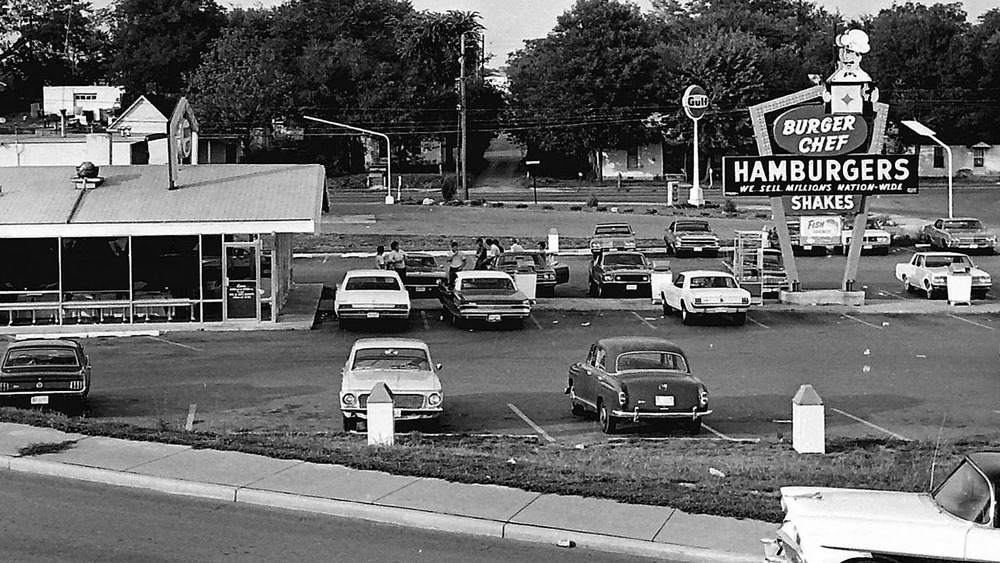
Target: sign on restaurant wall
{"points": [[829, 175], [241, 300]]}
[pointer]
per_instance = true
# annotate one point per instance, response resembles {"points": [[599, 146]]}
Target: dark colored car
{"points": [[638, 379], [42, 372], [622, 271], [691, 236], [549, 273], [484, 296], [423, 275]]}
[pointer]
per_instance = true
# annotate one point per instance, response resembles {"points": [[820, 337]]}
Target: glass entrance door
{"points": [[241, 275]]}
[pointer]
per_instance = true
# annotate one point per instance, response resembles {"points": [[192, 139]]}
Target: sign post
{"points": [[695, 103]]}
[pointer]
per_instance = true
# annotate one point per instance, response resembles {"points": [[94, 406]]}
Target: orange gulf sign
{"points": [[807, 130]]}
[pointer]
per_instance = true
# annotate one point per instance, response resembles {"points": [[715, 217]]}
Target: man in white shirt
{"points": [[515, 246], [456, 262], [494, 248]]}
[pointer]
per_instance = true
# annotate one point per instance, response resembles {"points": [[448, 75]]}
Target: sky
{"points": [[509, 22]]}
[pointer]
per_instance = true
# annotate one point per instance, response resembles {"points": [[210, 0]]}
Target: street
{"points": [[52, 520]]}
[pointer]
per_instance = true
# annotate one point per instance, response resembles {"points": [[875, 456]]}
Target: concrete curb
{"points": [[375, 513]]}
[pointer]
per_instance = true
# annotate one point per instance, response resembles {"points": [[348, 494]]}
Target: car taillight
{"points": [[697, 300], [745, 301], [76, 385], [401, 306], [4, 386], [622, 398], [703, 397]]}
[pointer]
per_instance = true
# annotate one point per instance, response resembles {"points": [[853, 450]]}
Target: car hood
{"points": [[370, 297], [626, 268], [398, 380], [874, 521]]}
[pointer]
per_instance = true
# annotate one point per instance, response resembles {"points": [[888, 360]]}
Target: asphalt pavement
{"points": [[480, 510]]}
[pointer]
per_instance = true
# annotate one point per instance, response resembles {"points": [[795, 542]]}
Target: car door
{"points": [[448, 296], [583, 378], [672, 294]]}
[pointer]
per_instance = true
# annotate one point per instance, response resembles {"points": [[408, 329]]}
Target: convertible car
{"points": [[483, 295], [637, 379], [956, 522], [549, 272]]}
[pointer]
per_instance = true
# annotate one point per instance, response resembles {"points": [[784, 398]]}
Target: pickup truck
{"points": [[928, 272], [485, 296], [959, 233]]}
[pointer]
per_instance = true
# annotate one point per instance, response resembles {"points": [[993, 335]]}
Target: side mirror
{"points": [[438, 366]]}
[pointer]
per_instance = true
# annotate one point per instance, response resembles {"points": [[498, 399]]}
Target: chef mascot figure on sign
{"points": [[849, 89]]}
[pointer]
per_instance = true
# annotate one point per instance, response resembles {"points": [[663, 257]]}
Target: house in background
{"points": [[88, 105], [641, 162], [982, 158]]}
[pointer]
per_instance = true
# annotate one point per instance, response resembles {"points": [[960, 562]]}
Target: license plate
{"points": [[664, 400], [397, 413], [373, 314], [493, 318], [40, 400], [697, 249], [419, 289], [866, 246], [807, 247], [725, 310], [631, 287]]}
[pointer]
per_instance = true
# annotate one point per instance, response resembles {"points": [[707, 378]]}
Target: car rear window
{"points": [[391, 358], [966, 494], [420, 262], [631, 361], [50, 357], [613, 230], [487, 283], [967, 224], [942, 261], [713, 281], [372, 283]]}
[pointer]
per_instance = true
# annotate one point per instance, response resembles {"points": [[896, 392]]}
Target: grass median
{"points": [[704, 476]]}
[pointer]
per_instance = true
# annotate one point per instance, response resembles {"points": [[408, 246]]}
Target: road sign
{"points": [[695, 102]]}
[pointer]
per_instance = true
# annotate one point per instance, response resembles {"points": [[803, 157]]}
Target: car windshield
{"points": [[420, 262], [488, 283], [971, 224], [772, 261], [945, 261], [713, 282], [965, 494], [632, 361], [372, 283], [61, 357], [624, 260], [391, 358], [613, 230], [520, 261], [691, 227]]}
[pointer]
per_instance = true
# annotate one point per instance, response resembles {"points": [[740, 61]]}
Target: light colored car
{"points": [[698, 293], [486, 296], [405, 366], [928, 272], [877, 240], [373, 295], [691, 236], [959, 233], [612, 236], [957, 522]]}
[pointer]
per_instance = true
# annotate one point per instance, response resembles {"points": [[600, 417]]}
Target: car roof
{"points": [[690, 273], [988, 463], [618, 345], [482, 274], [614, 225], [942, 254], [370, 272], [44, 343], [699, 221], [957, 219], [389, 343], [610, 252]]}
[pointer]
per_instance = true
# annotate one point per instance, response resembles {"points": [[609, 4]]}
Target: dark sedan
{"points": [[423, 275], [637, 379], [549, 273], [42, 372], [628, 272]]}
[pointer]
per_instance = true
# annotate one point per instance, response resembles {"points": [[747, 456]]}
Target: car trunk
{"points": [[645, 388]]}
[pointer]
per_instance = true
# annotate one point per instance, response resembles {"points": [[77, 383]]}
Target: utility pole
{"points": [[464, 116]]}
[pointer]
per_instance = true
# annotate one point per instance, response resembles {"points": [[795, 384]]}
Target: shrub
{"points": [[448, 188], [652, 211], [592, 201], [521, 206], [730, 206], [576, 208], [548, 207]]}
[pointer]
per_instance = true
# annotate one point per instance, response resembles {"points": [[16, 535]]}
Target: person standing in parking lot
{"points": [[380, 257], [480, 254], [456, 263], [396, 260], [494, 245], [515, 246]]}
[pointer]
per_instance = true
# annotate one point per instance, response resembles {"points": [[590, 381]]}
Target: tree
{"points": [[154, 42], [588, 84]]}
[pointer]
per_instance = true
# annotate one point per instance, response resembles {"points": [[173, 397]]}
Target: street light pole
{"points": [[388, 147], [923, 130], [464, 115]]}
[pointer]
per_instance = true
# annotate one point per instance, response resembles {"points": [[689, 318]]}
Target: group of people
{"points": [[456, 261]]}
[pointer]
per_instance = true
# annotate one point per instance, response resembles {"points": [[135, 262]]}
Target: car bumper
{"points": [[969, 245], [719, 309], [637, 415], [775, 551], [41, 398], [424, 290], [697, 248], [402, 414], [373, 314], [493, 316]]}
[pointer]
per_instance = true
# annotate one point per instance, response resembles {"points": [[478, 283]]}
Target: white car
{"points": [[928, 272], [405, 366], [375, 295], [957, 522], [876, 239], [706, 292]]}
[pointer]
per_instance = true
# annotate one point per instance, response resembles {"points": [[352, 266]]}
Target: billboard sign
{"points": [[821, 230], [865, 174], [807, 130], [841, 204], [695, 102]]}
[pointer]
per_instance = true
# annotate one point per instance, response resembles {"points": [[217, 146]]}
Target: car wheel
{"points": [[519, 323], [740, 319], [693, 427], [686, 317], [342, 323], [446, 316], [577, 409], [840, 249], [667, 309], [593, 289], [608, 422], [906, 285], [929, 289], [602, 290], [350, 424]]}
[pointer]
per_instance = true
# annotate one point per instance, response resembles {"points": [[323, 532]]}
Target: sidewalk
{"points": [[484, 510]]}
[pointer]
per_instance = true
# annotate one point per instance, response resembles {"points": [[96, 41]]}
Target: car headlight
{"points": [[609, 277], [938, 279], [348, 399], [595, 244], [745, 301], [346, 306], [703, 397], [983, 279], [434, 399]]}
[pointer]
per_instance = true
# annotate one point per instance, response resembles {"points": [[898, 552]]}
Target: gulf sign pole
{"points": [[695, 103]]}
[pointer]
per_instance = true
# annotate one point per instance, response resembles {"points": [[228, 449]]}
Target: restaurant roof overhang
{"points": [[44, 201]]}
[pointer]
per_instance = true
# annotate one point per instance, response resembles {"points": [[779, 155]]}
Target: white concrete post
{"points": [[959, 284], [808, 422], [381, 418], [553, 245], [661, 278], [526, 282]]}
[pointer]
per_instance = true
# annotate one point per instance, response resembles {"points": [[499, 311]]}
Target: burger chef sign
{"points": [[809, 130]]}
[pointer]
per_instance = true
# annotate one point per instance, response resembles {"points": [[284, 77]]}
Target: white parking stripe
{"points": [[875, 426], [176, 343], [890, 294], [971, 322], [644, 321], [758, 323], [536, 427], [534, 320], [862, 322], [423, 317], [716, 432]]}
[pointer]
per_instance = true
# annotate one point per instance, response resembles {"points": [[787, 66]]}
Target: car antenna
{"points": [[937, 446]]}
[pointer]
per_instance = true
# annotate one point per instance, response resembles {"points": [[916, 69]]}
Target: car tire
{"points": [[929, 290], [342, 323], [602, 290], [740, 319], [519, 323], [350, 424], [686, 316], [608, 423], [693, 427], [906, 285], [667, 309], [577, 409], [670, 248]]}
